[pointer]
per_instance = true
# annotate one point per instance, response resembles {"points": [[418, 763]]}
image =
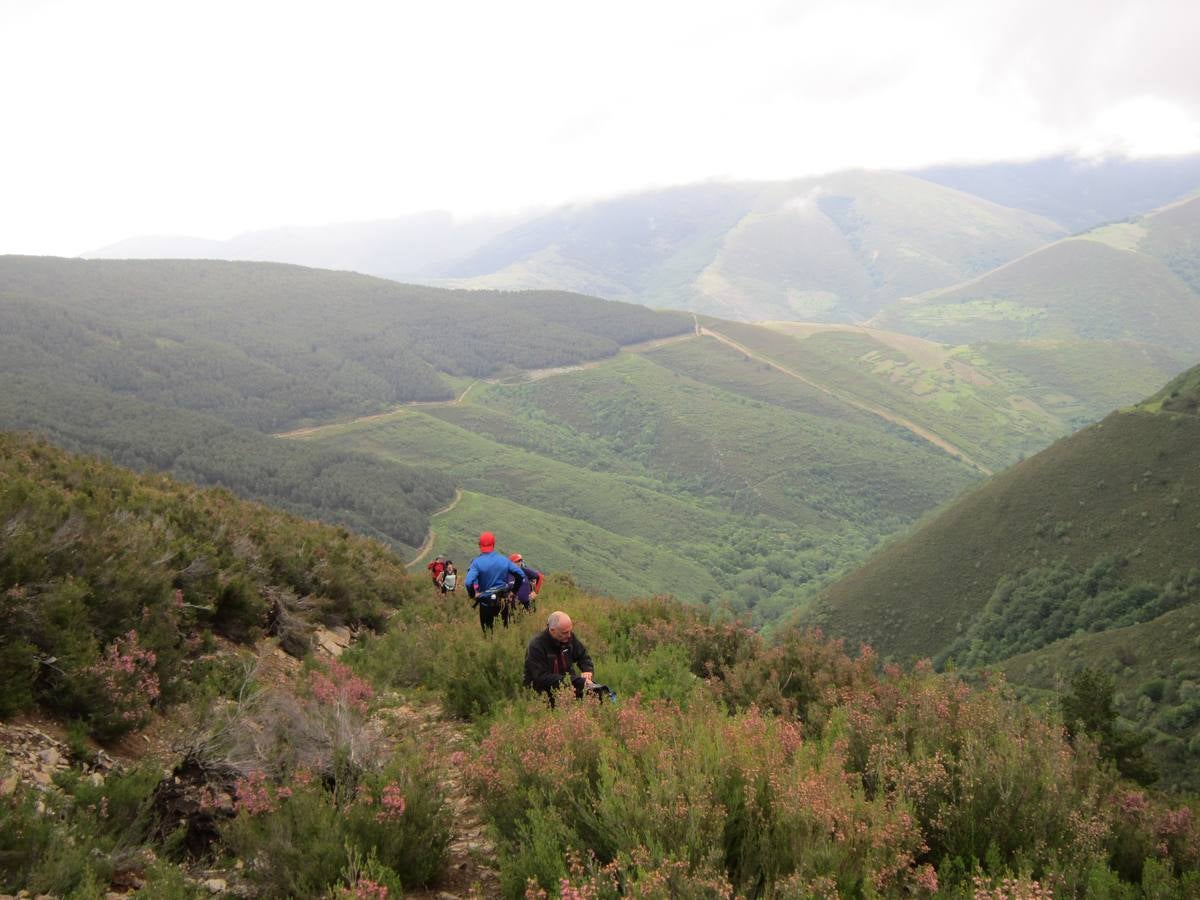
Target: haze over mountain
{"points": [[1077, 193], [833, 248]]}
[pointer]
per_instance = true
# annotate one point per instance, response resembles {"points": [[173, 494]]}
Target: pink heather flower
{"points": [[391, 802], [927, 879], [252, 795]]}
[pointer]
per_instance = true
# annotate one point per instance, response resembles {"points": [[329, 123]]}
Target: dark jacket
{"points": [[547, 661]]}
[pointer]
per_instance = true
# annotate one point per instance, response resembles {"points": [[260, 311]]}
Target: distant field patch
{"points": [[1119, 236], [986, 310]]}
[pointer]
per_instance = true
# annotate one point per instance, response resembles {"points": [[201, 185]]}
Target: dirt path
{"points": [[315, 429], [471, 866], [428, 545], [524, 378], [880, 411]]}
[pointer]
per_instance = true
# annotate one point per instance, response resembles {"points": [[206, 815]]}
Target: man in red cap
{"points": [[487, 581]]}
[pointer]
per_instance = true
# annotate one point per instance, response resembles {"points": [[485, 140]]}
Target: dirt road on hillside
{"points": [[428, 545], [888, 415], [315, 429], [524, 378]]}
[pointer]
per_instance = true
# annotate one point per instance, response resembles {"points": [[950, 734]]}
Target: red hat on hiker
{"points": [[487, 542], [515, 557]]}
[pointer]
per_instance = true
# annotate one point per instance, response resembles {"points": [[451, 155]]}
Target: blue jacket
{"points": [[490, 571]]}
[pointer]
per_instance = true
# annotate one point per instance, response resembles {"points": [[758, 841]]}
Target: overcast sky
{"points": [[209, 118]]}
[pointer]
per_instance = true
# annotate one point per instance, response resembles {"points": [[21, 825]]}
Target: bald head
{"points": [[559, 626]]}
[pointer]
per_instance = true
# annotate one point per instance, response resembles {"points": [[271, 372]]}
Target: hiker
{"points": [[488, 582], [436, 570], [528, 591], [449, 578], [552, 654]]}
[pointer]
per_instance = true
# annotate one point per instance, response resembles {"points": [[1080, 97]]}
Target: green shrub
{"points": [[1154, 689], [400, 818], [293, 845], [18, 669], [536, 852], [26, 836], [166, 881]]}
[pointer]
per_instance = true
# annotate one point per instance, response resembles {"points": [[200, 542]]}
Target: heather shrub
{"points": [[68, 842], [987, 777], [300, 835], [121, 687], [290, 838], [689, 792], [536, 852], [399, 815]]}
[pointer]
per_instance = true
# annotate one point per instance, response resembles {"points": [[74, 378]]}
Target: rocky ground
{"points": [[34, 749]]}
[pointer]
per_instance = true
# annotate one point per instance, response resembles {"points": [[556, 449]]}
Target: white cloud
{"points": [[210, 118]]}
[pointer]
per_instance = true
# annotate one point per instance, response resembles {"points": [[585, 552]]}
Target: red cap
{"points": [[515, 557], [487, 542]]}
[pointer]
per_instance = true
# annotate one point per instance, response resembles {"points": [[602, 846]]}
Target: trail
{"points": [[310, 430], [886, 414], [471, 865], [428, 545], [525, 377]]}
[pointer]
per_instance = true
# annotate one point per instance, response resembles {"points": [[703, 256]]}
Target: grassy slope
{"points": [[708, 483], [1126, 487], [987, 412], [1133, 281], [626, 566]]}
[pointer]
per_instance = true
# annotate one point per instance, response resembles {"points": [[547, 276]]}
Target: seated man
{"points": [[551, 656]]}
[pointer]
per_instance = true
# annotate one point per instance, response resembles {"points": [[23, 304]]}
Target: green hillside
{"points": [[993, 403], [388, 501], [834, 248], [98, 563], [135, 607], [180, 366], [1135, 280], [272, 346], [1155, 669], [1098, 532], [746, 494]]}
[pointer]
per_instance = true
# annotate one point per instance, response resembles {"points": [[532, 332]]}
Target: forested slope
{"points": [[180, 365], [271, 346], [1094, 536]]}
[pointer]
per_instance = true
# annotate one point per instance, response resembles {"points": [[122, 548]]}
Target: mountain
{"points": [[271, 346], [1077, 193], [639, 470], [833, 248], [1136, 280], [1077, 555], [182, 367]]}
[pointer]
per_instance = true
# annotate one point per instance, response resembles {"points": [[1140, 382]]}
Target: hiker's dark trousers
{"points": [[487, 616]]}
